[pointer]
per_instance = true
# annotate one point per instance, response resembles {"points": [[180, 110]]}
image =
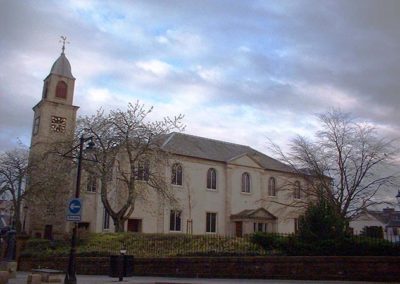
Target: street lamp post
{"points": [[121, 265], [23, 224], [11, 221], [70, 277]]}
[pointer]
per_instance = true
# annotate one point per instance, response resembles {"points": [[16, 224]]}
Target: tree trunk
{"points": [[119, 225]]}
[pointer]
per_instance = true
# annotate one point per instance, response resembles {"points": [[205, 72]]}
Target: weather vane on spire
{"points": [[64, 41]]}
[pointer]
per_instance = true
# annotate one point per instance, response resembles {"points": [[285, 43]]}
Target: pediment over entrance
{"points": [[254, 214]]}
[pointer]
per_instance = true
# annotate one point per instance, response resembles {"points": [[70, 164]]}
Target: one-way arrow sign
{"points": [[74, 211]]}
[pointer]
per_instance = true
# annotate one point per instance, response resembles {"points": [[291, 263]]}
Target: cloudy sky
{"points": [[239, 71]]}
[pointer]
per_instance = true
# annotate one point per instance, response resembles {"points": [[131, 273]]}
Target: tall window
{"points": [[91, 185], [45, 88], [176, 174], [271, 187], [143, 170], [61, 90], [36, 123], [211, 222], [297, 190], [175, 221], [106, 220], [296, 225], [246, 182], [212, 178]]}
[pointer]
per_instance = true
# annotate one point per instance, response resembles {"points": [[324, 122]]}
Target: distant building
{"points": [[388, 219], [222, 188]]}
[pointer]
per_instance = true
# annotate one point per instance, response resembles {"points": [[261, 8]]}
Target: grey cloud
{"points": [[349, 45]]}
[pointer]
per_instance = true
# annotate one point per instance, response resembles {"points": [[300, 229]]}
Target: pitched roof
{"points": [[216, 150], [260, 214], [387, 216]]}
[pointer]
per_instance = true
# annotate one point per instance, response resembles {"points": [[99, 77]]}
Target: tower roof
{"points": [[62, 67]]}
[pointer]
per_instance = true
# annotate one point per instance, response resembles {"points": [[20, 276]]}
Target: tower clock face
{"points": [[58, 124]]}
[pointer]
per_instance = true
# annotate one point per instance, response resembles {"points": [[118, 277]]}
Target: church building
{"points": [[222, 188]]}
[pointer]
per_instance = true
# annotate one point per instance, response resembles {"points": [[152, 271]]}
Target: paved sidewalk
{"points": [[101, 279]]}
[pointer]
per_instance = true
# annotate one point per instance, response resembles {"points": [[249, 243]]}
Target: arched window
{"points": [[246, 182], [61, 90], [176, 174], [297, 190], [143, 171], [212, 178], [271, 187]]}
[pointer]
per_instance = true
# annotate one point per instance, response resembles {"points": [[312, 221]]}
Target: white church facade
{"points": [[220, 187]]}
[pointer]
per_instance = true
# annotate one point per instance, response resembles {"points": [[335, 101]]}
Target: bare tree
{"points": [[13, 172], [346, 162], [129, 155]]}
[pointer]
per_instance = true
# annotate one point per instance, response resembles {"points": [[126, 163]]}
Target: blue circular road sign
{"points": [[74, 206]]}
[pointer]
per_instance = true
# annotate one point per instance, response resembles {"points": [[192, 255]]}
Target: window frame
{"points": [[143, 170], [45, 90], [106, 220], [296, 225], [61, 90], [246, 183], [91, 182], [272, 186], [297, 190], [36, 124], [211, 222], [177, 174], [175, 220], [212, 179]]}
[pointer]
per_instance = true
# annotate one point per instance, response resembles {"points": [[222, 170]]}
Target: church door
{"points": [[48, 232], [239, 228]]}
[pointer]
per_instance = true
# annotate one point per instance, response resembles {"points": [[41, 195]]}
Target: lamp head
{"points": [[90, 145], [398, 197]]}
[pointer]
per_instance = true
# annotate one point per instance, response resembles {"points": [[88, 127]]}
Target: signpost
{"points": [[74, 212]]}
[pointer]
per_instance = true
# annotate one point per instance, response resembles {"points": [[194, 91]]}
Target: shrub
{"points": [[346, 246], [321, 221], [43, 247], [147, 245], [372, 231]]}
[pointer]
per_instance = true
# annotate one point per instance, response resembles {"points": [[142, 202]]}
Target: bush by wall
{"points": [[345, 246], [147, 245]]}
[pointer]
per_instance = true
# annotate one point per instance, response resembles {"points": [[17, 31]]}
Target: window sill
{"points": [[246, 193], [211, 190]]}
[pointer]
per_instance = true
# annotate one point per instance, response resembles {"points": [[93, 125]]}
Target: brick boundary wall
{"points": [[362, 268]]}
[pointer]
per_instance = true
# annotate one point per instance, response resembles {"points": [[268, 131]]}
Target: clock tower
{"points": [[55, 115], [50, 179]]}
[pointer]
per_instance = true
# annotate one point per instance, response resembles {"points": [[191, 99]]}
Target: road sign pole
{"points": [[70, 277]]}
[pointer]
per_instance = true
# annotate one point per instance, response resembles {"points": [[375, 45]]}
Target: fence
{"points": [[171, 245]]}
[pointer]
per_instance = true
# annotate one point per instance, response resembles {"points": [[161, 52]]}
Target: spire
{"points": [[64, 41], [62, 66]]}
